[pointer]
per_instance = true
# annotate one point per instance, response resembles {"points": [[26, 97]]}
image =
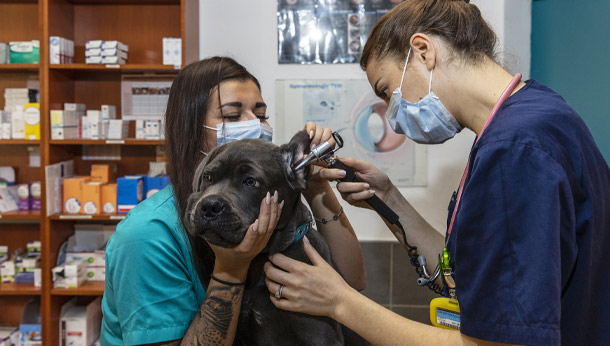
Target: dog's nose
{"points": [[212, 207]]}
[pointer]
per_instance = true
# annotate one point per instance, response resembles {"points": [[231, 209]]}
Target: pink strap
{"points": [[509, 89]]}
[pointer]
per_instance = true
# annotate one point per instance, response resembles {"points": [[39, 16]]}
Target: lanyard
{"points": [[509, 89]]}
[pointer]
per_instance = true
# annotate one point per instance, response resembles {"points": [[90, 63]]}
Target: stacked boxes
{"points": [[70, 274], [80, 324], [61, 50], [106, 52], [91, 195], [75, 122]]}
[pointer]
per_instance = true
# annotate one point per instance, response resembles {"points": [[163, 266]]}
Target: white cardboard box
{"points": [[80, 324]]}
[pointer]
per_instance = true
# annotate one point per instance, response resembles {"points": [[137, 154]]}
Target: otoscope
{"points": [[324, 152]]}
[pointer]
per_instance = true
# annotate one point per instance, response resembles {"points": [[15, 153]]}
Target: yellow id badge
{"points": [[445, 313]]}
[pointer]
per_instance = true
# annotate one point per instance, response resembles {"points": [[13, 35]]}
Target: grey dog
{"points": [[227, 189]]}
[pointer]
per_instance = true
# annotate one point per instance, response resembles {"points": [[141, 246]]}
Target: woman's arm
{"points": [[339, 234], [318, 290], [216, 321], [374, 182]]}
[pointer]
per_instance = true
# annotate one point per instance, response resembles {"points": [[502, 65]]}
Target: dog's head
{"points": [[230, 183]]}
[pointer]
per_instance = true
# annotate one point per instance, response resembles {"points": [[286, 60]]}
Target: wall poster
{"points": [[326, 31], [350, 107]]}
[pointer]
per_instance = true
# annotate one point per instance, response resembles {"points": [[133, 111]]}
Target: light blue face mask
{"points": [[425, 122], [234, 131]]}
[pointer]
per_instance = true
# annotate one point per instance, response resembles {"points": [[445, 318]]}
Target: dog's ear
{"points": [[292, 153], [198, 177]]}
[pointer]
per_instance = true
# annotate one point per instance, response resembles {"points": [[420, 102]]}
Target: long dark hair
{"points": [[187, 108]]}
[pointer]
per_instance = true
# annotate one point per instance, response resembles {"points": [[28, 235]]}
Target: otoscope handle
{"points": [[375, 203]]}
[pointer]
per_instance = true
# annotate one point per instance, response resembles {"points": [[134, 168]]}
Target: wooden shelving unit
{"points": [[139, 23]]}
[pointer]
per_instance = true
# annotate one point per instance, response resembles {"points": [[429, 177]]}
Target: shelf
{"points": [[126, 141], [19, 67], [128, 68], [125, 2], [90, 288], [21, 215], [78, 217], [15, 289], [20, 141]]}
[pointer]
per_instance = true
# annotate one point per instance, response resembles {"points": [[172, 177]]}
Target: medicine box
{"points": [[92, 198], [80, 324], [4, 53], [153, 185], [24, 52], [69, 275], [103, 173], [7, 271], [90, 258], [118, 129], [116, 45], [109, 198], [32, 120], [93, 44], [35, 193], [73, 195], [130, 192], [23, 192]]}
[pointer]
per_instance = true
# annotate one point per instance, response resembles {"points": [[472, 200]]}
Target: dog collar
{"points": [[299, 233]]}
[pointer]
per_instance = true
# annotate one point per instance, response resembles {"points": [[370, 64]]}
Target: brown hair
{"points": [[185, 115], [458, 23]]}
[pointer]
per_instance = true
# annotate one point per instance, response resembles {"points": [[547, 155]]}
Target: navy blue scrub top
{"points": [[531, 237]]}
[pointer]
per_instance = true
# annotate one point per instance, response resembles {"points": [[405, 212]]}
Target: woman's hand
{"points": [[372, 182], [318, 135], [312, 289], [232, 263]]}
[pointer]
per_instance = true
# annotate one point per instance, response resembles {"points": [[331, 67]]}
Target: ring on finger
{"points": [[278, 293]]}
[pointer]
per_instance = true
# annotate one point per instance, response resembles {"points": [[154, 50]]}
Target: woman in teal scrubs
{"points": [[159, 288]]}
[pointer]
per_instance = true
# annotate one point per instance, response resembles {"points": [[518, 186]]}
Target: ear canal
{"points": [[292, 153]]}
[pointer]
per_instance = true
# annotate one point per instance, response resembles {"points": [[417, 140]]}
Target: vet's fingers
{"points": [[332, 174], [313, 255], [349, 187], [287, 264], [356, 165], [274, 274]]}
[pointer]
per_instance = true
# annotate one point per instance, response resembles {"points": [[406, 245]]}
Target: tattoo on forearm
{"points": [[213, 321]]}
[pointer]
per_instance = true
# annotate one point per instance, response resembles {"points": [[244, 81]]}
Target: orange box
{"points": [[92, 197], [109, 198], [73, 195], [103, 173]]}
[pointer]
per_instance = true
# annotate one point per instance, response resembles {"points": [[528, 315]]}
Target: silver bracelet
{"points": [[335, 217]]}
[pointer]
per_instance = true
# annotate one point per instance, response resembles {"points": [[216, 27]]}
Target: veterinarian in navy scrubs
{"points": [[156, 274], [529, 227]]}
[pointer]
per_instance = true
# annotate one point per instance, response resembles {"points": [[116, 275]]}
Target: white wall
{"points": [[246, 30]]}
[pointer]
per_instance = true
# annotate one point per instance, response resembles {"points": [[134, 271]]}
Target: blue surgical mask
{"points": [[425, 122], [234, 131]]}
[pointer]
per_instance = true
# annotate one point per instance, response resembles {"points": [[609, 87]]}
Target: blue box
{"points": [[130, 192], [153, 185]]}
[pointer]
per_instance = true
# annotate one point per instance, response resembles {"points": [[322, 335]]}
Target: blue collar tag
{"points": [[299, 233]]}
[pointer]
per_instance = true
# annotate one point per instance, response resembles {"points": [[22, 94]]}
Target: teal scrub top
{"points": [[152, 290]]}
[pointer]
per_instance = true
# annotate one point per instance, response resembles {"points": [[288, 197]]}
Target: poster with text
{"points": [[350, 107]]}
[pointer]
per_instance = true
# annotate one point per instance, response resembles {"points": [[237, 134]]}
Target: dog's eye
{"points": [[207, 177], [251, 182]]}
